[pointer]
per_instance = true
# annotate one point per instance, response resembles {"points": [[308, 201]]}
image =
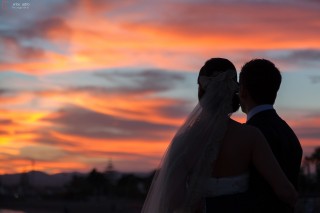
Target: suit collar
{"points": [[258, 109]]}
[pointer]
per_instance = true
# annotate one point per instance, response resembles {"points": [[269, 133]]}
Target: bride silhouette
{"points": [[206, 167]]}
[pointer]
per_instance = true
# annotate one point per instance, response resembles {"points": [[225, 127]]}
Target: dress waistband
{"points": [[226, 185]]}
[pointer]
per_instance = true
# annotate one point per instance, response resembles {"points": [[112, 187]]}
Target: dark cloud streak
{"points": [[305, 55], [143, 81], [5, 121], [315, 79], [87, 123], [308, 132], [47, 30]]}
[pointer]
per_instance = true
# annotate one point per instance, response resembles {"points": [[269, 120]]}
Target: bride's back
{"points": [[236, 149]]}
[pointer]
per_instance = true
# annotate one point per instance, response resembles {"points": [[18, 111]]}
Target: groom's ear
{"points": [[244, 95]]}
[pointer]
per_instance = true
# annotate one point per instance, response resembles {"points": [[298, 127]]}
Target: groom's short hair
{"points": [[262, 80]]}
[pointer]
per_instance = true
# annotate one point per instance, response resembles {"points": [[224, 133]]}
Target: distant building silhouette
{"points": [[110, 172], [110, 167]]}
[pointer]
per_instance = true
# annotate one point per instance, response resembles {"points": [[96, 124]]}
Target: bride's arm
{"points": [[268, 166]]}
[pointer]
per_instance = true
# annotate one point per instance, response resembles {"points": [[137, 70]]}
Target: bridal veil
{"points": [[178, 184]]}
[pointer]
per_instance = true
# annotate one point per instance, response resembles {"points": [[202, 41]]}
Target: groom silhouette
{"points": [[260, 81]]}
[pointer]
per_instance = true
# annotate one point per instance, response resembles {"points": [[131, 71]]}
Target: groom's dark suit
{"points": [[286, 148]]}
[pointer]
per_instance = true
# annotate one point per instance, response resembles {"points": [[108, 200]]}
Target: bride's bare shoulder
{"points": [[246, 130]]}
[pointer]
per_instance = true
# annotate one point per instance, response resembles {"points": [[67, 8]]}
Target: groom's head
{"points": [[260, 81]]}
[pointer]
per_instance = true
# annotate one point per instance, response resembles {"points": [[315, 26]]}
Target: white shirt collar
{"points": [[258, 109]]}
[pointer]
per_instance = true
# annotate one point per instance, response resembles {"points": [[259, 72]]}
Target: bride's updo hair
{"points": [[215, 66]]}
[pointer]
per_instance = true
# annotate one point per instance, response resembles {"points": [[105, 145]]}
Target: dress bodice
{"points": [[226, 185]]}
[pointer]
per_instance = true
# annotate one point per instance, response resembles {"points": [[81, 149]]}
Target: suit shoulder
{"points": [[252, 132]]}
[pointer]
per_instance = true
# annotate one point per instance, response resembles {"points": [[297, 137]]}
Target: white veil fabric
{"points": [[178, 184]]}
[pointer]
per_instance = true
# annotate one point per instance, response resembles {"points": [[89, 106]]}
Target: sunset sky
{"points": [[86, 81]]}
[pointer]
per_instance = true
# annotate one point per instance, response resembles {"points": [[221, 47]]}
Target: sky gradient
{"points": [[83, 82]]}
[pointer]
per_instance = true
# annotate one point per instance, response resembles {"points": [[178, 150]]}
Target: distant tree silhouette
{"points": [[130, 186], [77, 188], [95, 184], [315, 159], [98, 183], [148, 181], [24, 180], [310, 183]]}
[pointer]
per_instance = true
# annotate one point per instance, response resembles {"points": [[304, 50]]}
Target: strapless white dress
{"points": [[226, 185]]}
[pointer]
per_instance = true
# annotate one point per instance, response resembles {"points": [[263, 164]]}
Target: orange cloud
{"points": [[126, 155], [140, 38], [92, 124], [131, 125], [109, 145]]}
